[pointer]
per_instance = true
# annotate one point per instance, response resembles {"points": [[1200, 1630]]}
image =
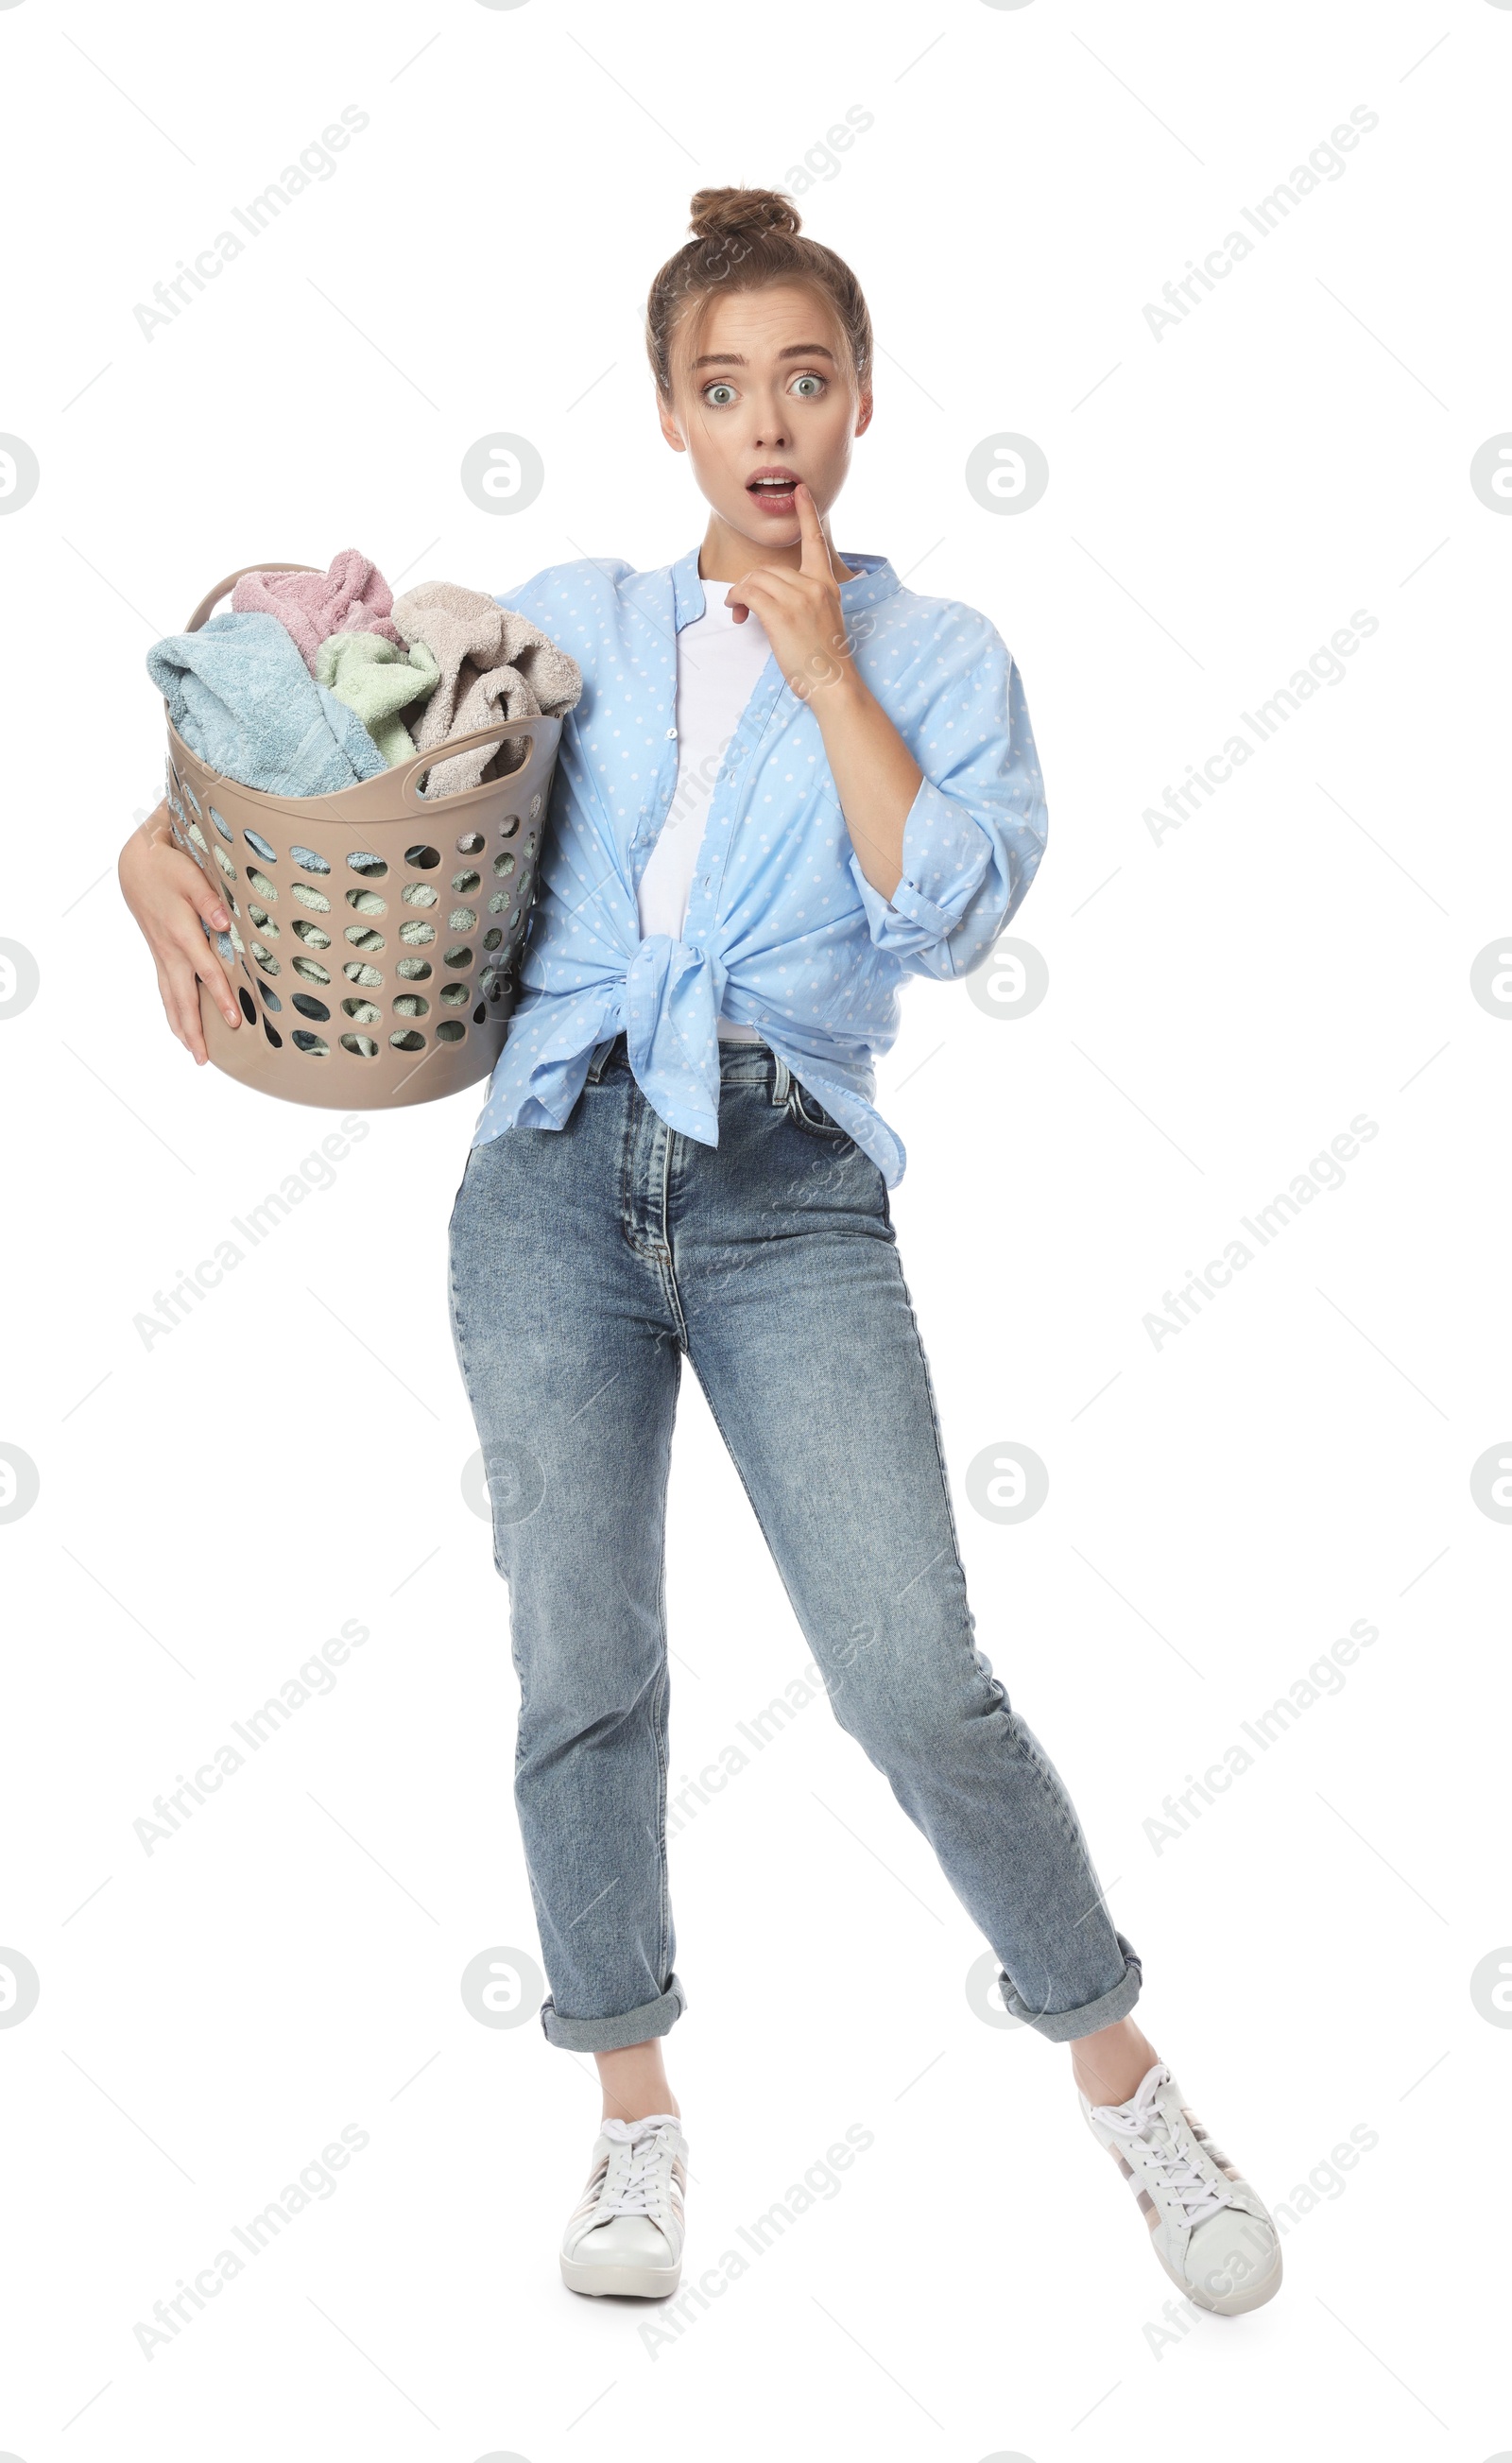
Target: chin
{"points": [[761, 535]]}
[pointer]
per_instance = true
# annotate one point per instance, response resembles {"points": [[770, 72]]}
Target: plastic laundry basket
{"points": [[374, 932]]}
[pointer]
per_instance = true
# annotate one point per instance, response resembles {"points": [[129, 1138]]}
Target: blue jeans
{"points": [[586, 1262]]}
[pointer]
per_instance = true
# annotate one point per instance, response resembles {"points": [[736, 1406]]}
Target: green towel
{"points": [[377, 680]]}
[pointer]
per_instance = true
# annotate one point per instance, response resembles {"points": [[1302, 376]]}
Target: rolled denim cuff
{"points": [[1064, 2026], [612, 2035]]}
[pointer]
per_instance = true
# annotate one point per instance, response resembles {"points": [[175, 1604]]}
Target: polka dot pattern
{"points": [[784, 931]]}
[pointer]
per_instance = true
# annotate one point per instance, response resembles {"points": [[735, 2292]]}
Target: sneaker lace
{"points": [[1142, 2120], [642, 2190]]}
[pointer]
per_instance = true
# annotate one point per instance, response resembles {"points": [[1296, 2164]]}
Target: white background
{"points": [[1222, 1004]]}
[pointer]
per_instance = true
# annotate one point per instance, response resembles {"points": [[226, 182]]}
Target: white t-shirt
{"points": [[717, 663]]}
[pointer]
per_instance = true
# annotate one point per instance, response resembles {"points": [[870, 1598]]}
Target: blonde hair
{"points": [[744, 238]]}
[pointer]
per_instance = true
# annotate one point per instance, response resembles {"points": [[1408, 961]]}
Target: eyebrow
{"points": [[795, 351]]}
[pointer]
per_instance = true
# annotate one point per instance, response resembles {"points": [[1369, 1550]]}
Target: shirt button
{"points": [[672, 734]]}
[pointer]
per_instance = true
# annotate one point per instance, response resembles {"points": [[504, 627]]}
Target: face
{"points": [[768, 399]]}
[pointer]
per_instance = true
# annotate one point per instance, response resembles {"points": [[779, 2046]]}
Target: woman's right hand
{"points": [[169, 897]]}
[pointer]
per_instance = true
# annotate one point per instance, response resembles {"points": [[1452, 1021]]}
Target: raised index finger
{"points": [[815, 556]]}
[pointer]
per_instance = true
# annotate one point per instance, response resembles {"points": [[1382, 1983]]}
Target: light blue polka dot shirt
{"points": [[784, 931]]}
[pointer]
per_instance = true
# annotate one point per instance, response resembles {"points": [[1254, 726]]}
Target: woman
{"points": [[789, 784]]}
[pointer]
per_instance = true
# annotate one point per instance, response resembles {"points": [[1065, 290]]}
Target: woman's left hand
{"points": [[875, 774], [801, 610]]}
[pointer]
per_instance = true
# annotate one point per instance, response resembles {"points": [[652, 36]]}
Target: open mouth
{"points": [[773, 486]]}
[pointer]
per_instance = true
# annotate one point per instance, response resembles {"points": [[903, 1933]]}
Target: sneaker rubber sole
{"points": [[637, 2282]]}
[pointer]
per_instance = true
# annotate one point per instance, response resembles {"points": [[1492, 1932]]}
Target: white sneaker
{"points": [[625, 2234], [1211, 2232]]}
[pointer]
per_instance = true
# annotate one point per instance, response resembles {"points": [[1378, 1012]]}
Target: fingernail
{"points": [[219, 918]]}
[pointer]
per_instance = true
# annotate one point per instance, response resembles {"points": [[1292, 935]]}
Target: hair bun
{"points": [[746, 213]]}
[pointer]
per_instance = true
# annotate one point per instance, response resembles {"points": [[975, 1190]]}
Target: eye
{"points": [[719, 395], [809, 387]]}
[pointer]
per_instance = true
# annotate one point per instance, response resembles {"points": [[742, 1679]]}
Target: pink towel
{"points": [[352, 598]]}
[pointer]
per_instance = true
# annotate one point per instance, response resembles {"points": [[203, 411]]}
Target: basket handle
{"points": [[505, 730], [206, 604]]}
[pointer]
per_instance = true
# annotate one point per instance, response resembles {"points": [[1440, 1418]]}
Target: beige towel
{"points": [[493, 664]]}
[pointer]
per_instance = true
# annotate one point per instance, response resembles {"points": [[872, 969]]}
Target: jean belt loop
{"points": [[782, 1080]]}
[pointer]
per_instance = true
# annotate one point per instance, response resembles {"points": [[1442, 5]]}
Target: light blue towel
{"points": [[242, 698]]}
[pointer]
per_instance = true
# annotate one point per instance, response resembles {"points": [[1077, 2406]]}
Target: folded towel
{"points": [[493, 664], [242, 698], [378, 681], [352, 598]]}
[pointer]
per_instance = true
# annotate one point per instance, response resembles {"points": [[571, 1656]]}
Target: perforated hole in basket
{"points": [[415, 971], [366, 901], [309, 1006], [260, 881], [371, 866], [424, 859], [410, 1040], [470, 842], [260, 846], [420, 893], [363, 937], [315, 899], [412, 1005], [311, 973], [362, 1012], [312, 936], [306, 860], [311, 1044], [368, 976], [224, 827], [463, 884], [451, 1030], [362, 1046]]}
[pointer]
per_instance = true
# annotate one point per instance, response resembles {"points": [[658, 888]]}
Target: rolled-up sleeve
{"points": [[976, 830]]}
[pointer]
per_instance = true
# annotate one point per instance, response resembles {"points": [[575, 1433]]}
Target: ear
{"points": [[864, 416], [668, 419]]}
